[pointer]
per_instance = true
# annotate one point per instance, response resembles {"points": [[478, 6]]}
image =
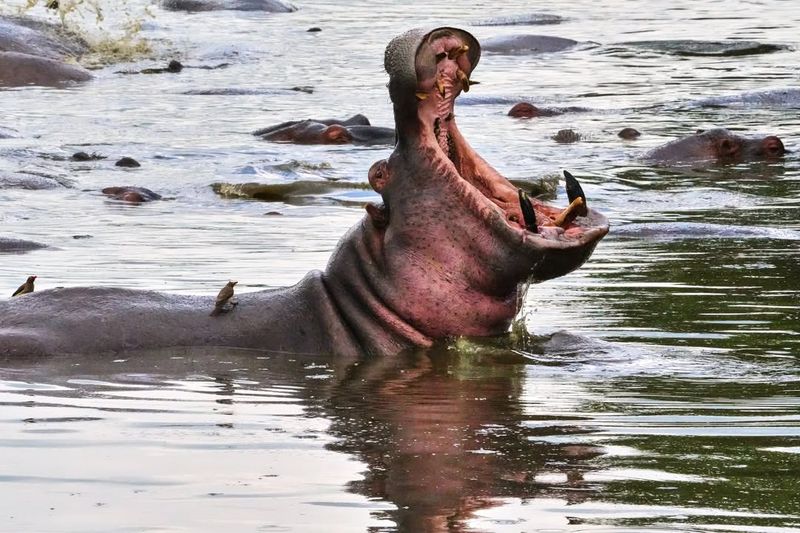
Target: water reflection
{"points": [[442, 436], [495, 435]]}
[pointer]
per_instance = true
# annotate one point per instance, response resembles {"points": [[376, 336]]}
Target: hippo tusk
{"points": [[527, 211], [574, 191], [421, 95], [569, 214]]}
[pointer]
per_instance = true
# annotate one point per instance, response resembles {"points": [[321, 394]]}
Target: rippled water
{"points": [[658, 388]]}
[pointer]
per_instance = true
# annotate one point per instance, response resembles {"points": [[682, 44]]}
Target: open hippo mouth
{"points": [[428, 70]]}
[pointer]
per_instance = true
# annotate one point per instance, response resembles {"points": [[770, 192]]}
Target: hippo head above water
{"points": [[449, 252], [718, 145]]}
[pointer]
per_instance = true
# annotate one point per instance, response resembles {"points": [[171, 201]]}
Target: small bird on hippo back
{"points": [[26, 287], [225, 301]]}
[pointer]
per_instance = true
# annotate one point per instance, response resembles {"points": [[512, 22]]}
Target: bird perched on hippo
{"points": [[26, 287]]}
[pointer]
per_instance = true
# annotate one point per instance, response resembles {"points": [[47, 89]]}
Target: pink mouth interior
{"points": [[435, 98]]}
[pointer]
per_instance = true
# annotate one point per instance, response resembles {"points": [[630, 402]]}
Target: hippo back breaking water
{"points": [[34, 53]]}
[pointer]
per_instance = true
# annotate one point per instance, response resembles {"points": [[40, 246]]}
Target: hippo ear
{"points": [[379, 175], [772, 146], [337, 134], [378, 214]]}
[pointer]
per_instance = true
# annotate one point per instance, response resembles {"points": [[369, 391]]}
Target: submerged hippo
{"points": [[528, 110], [134, 195], [449, 252], [18, 69], [267, 6], [38, 38], [718, 145], [354, 130], [33, 53], [527, 44]]}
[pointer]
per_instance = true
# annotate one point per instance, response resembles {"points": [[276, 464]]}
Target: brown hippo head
{"points": [[718, 145], [525, 110], [451, 250]]}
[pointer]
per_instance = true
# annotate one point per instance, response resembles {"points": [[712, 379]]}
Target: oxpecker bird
{"points": [[224, 298], [26, 287]]}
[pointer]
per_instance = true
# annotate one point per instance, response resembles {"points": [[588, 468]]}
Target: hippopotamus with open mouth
{"points": [[449, 252]]}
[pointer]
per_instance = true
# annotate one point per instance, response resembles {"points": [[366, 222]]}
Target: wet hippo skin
{"points": [[34, 53], [717, 145], [354, 130], [528, 110], [134, 195], [449, 251], [527, 44], [18, 69], [267, 6]]}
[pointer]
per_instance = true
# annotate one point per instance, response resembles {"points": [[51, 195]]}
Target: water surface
{"points": [[656, 388]]}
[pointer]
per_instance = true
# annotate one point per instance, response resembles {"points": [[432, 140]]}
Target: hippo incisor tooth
{"points": [[464, 79], [527, 211], [421, 95], [574, 191], [569, 214], [455, 52], [440, 87]]}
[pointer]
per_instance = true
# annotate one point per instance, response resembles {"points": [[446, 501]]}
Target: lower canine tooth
{"points": [[421, 96], [527, 211], [574, 191]]}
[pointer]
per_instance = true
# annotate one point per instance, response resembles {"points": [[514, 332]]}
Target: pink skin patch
{"points": [[435, 103]]}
